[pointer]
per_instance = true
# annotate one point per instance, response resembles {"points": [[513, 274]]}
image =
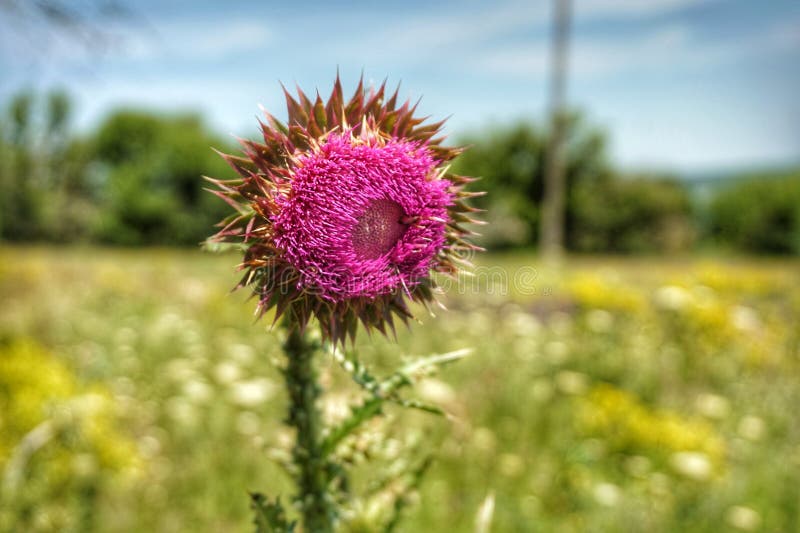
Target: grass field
{"points": [[611, 394]]}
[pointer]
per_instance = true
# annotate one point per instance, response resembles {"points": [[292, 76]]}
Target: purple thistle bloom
{"points": [[345, 212], [365, 217]]}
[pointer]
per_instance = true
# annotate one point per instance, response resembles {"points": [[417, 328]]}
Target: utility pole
{"points": [[551, 238]]}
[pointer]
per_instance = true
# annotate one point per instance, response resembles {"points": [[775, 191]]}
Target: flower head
{"points": [[346, 211]]}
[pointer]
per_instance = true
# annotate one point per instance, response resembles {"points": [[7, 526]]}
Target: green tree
{"points": [[152, 167], [19, 206], [631, 214], [604, 211], [64, 160], [43, 194], [759, 214], [511, 162]]}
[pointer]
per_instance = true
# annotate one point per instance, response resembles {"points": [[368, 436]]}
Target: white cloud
{"points": [[164, 39], [592, 57], [437, 27], [198, 40], [461, 33], [482, 61], [670, 47], [229, 106], [631, 8]]}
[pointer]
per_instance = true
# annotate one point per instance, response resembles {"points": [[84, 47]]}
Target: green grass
{"points": [[609, 394]]}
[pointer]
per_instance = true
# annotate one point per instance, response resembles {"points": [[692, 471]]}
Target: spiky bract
{"points": [[345, 212]]}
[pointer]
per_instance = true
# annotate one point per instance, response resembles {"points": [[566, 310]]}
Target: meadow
{"points": [[607, 394]]}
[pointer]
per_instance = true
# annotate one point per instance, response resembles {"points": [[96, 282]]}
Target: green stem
{"points": [[313, 467]]}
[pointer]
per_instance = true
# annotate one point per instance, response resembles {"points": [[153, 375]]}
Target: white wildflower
{"points": [[570, 382], [712, 406], [599, 320], [607, 494], [253, 392], [694, 465], [743, 518], [672, 297], [752, 428]]}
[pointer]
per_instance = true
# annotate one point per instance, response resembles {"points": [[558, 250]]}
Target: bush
{"points": [[759, 214], [640, 214], [604, 212], [153, 187], [511, 162]]}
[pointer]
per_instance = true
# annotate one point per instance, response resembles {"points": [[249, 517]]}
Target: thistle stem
{"points": [[313, 467]]}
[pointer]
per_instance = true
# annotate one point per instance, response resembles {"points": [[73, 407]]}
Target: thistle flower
{"points": [[345, 212]]}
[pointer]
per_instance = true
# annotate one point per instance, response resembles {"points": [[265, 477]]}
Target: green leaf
{"points": [[357, 371], [269, 517], [383, 391], [359, 415], [425, 364], [420, 406]]}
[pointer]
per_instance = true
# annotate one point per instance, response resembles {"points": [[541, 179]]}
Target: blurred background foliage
{"points": [[637, 386], [60, 442], [610, 392], [135, 180], [759, 215], [136, 395]]}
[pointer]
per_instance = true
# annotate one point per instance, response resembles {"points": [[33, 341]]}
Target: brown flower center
{"points": [[378, 229]]}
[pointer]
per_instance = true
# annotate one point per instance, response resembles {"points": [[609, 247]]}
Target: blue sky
{"points": [[683, 85]]}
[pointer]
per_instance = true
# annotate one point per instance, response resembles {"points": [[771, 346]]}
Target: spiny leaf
{"points": [[421, 406], [359, 415], [269, 517], [425, 363], [383, 391], [357, 371]]}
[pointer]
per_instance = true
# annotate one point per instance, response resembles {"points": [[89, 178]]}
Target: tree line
{"points": [[135, 180]]}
